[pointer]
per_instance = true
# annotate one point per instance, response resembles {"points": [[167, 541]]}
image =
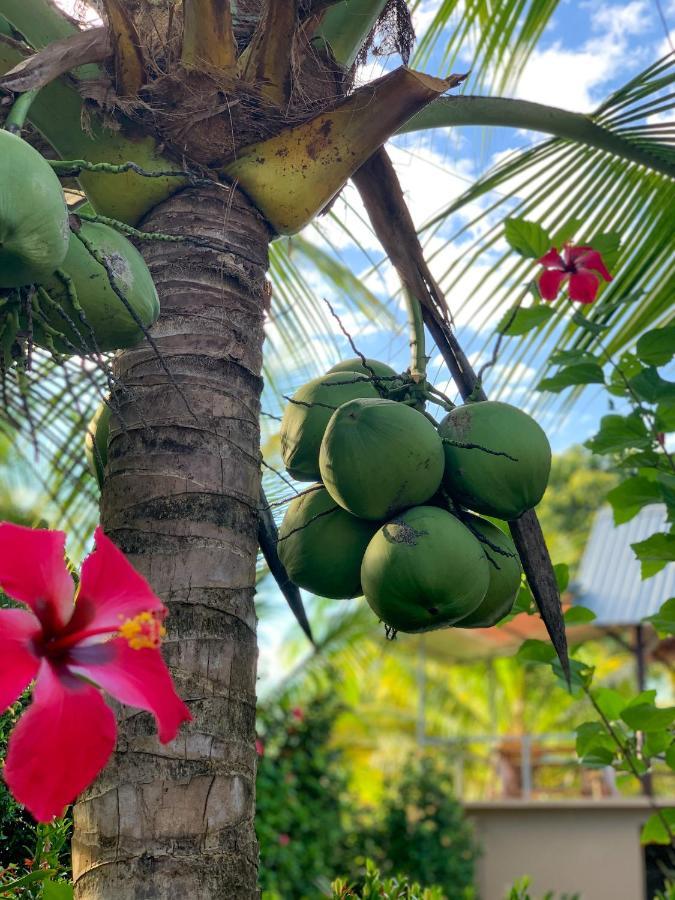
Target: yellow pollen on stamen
{"points": [[144, 630]]}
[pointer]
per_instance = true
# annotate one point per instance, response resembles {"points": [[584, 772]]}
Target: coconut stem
{"points": [[16, 117], [418, 361], [130, 231], [71, 168]]}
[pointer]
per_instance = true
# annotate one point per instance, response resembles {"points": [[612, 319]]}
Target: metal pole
{"points": [[641, 672], [640, 657]]}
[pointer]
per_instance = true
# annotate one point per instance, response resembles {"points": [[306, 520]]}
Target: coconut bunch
{"points": [[74, 290], [397, 509]]}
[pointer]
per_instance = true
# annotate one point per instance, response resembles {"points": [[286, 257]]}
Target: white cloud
{"points": [[667, 44], [573, 78]]}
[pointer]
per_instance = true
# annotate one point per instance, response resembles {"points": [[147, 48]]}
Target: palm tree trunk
{"points": [[180, 498]]}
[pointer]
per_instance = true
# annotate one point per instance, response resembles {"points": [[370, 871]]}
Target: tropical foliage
{"points": [[603, 180]]}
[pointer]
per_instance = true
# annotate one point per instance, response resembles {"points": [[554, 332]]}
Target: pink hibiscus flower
{"points": [[580, 265], [106, 637]]}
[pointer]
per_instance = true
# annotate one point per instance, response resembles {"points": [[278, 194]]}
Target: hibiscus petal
{"points": [[111, 590], [583, 287], [549, 283], [591, 259], [18, 662], [552, 260], [60, 745], [137, 677], [33, 571]]}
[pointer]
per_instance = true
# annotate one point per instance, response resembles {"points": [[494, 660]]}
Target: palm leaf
{"points": [[501, 37], [558, 180]]}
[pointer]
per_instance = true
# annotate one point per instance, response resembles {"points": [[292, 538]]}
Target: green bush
{"points": [[17, 829], [421, 830], [301, 815], [374, 886], [310, 830]]}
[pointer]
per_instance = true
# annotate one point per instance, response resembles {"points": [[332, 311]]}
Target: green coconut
{"points": [[424, 570], [379, 457], [96, 442], [307, 415], [33, 214], [505, 470], [372, 365], [109, 324], [324, 554], [504, 573]]}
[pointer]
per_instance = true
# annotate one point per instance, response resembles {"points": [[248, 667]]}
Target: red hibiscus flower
{"points": [[580, 265], [297, 714], [107, 637]]}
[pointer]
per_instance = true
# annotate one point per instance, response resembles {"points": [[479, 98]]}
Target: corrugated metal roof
{"points": [[609, 579]]}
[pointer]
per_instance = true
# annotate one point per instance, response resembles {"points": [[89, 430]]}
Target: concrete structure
{"points": [[585, 847]]}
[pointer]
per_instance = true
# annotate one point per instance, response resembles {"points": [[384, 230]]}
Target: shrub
{"points": [[300, 802], [421, 831], [374, 886]]}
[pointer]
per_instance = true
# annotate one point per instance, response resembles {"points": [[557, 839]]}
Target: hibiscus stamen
{"points": [[144, 630]]}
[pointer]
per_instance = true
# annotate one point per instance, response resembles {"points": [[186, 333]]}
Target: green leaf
{"points": [[655, 553], [524, 604], [656, 742], [527, 238], [25, 880], [650, 387], [579, 615], [639, 459], [519, 320], [610, 702], [57, 890], [536, 651], [657, 347], [581, 674], [608, 245], [636, 765], [664, 620], [665, 416], [592, 735], [654, 830], [595, 748], [580, 373], [629, 497], [670, 756], [642, 697], [566, 232], [619, 380], [620, 433], [346, 26], [647, 717], [562, 575], [597, 757], [666, 483], [595, 328], [567, 357]]}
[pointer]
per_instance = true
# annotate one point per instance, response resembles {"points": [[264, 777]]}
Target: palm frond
{"points": [[493, 40], [559, 180]]}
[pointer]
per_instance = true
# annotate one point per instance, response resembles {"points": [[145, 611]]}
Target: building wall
{"points": [[587, 847]]}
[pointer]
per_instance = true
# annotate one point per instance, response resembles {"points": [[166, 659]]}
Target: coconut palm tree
{"points": [[241, 121]]}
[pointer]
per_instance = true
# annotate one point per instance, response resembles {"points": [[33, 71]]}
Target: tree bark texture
{"points": [[180, 498]]}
